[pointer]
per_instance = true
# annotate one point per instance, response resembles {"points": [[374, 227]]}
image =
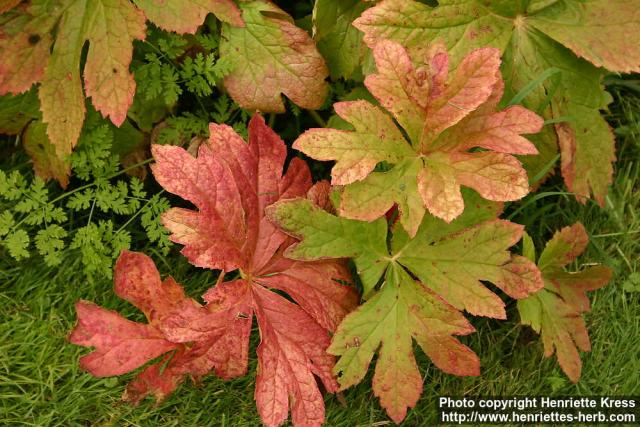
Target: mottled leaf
{"points": [[30, 54], [120, 344], [271, 57], [415, 289], [445, 118], [555, 312], [532, 36], [230, 183], [596, 30], [186, 16]]}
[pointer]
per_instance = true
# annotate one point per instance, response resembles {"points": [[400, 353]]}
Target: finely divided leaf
{"points": [[271, 57], [555, 312], [444, 117]]}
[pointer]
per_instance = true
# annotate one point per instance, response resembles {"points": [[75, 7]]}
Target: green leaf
{"points": [[17, 111], [49, 243], [631, 284], [7, 222], [387, 324], [110, 26], [415, 289], [339, 42], [327, 236], [555, 311], [269, 57], [17, 244], [46, 163]]}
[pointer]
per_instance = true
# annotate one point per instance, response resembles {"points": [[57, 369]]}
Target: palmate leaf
{"points": [[534, 36], [109, 27], [426, 281], [444, 117], [555, 311], [230, 183]]}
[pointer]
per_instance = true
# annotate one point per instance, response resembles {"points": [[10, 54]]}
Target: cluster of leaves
{"points": [[91, 219], [421, 246], [420, 272], [556, 49], [230, 183], [428, 141], [42, 41]]}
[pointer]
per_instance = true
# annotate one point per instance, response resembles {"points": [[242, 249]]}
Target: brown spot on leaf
{"points": [[34, 39]]}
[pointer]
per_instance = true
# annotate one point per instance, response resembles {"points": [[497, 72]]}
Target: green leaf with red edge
{"points": [[533, 37], [6, 5], [555, 312], [185, 16], [109, 27], [271, 57], [424, 283], [230, 183], [445, 116]]}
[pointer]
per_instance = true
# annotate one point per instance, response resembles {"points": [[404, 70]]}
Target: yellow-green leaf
{"points": [[271, 57]]}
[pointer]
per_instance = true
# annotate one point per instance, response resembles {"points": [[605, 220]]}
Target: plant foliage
{"points": [[443, 112]]}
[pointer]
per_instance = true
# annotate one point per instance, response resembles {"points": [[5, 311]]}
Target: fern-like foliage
{"points": [[93, 220]]}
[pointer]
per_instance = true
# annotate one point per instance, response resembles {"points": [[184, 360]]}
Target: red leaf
{"points": [[231, 182], [121, 345]]}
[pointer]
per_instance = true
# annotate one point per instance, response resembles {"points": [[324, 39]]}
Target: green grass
{"points": [[41, 385]]}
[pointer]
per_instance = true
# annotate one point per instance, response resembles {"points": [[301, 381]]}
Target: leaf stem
{"points": [[316, 117], [134, 216]]}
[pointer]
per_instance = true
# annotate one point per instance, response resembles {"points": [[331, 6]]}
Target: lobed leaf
{"points": [[271, 57], [186, 16], [532, 37], [230, 183], [444, 118], [414, 287], [31, 54], [555, 311]]}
